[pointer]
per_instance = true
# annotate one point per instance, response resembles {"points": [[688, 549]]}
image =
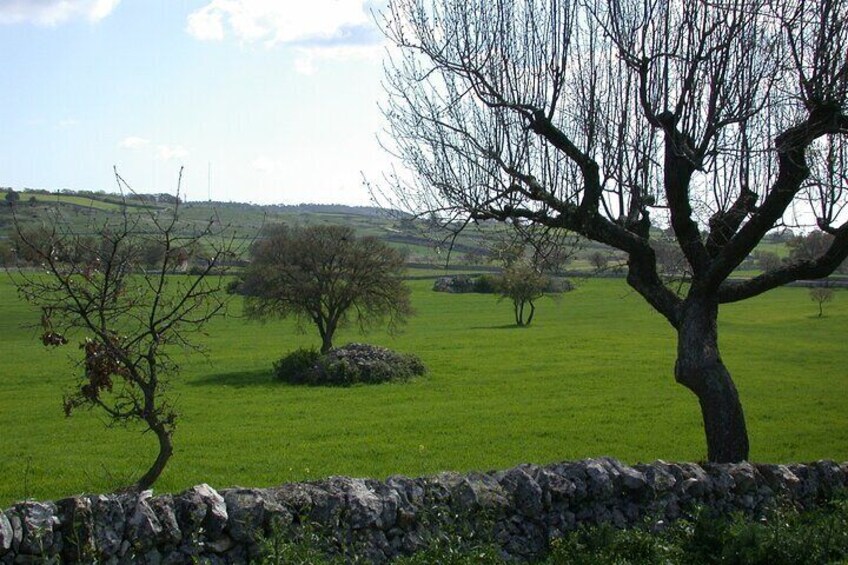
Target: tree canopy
{"points": [[718, 120], [327, 276], [523, 285]]}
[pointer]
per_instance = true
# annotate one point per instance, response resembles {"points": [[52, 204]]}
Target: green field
{"points": [[110, 203], [592, 376]]}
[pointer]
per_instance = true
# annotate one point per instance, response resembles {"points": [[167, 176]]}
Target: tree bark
{"points": [[699, 368], [166, 449], [327, 330]]}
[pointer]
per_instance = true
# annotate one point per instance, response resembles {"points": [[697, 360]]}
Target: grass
{"points": [[592, 376]]}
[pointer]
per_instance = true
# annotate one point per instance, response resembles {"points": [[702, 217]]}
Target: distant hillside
{"points": [[283, 208], [83, 210], [423, 243]]}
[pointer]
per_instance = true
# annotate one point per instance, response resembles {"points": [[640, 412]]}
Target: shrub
{"points": [[487, 284], [348, 365], [460, 284], [296, 366], [782, 535]]}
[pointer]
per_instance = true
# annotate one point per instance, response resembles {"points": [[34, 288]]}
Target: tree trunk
{"points": [[166, 449], [699, 368], [327, 331], [532, 312]]}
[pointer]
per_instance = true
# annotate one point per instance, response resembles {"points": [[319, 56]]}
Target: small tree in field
{"points": [[767, 260], [326, 276], [523, 284], [12, 197], [820, 295], [599, 260], [126, 315]]}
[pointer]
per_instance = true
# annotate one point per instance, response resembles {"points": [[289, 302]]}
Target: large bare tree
{"points": [[610, 118]]}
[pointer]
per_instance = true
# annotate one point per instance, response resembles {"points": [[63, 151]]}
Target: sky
{"points": [[264, 101]]}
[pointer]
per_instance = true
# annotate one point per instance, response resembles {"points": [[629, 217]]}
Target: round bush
{"points": [[296, 366], [344, 366]]}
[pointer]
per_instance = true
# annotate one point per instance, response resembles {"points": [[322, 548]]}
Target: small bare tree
{"points": [[767, 260], [127, 314], [599, 260], [820, 295]]}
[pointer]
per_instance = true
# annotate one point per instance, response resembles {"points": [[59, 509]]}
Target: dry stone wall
{"points": [[523, 508]]}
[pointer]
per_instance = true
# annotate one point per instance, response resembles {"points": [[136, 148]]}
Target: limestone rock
{"points": [[744, 477], [77, 525], [6, 534], [326, 508], [17, 529], [659, 479], [202, 508], [163, 508], [779, 478], [526, 493], [143, 527], [830, 476], [250, 511], [364, 507], [38, 521]]}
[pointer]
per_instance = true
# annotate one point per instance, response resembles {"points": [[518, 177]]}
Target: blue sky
{"points": [[279, 98]]}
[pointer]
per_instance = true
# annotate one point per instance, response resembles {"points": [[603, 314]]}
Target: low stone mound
{"points": [[351, 364], [489, 284], [457, 284]]}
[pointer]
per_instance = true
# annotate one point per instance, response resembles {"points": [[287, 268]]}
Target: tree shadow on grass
{"points": [[503, 327], [237, 379]]}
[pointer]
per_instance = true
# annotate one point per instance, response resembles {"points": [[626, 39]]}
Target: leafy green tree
{"points": [[812, 245], [613, 119], [326, 276], [767, 260], [12, 197], [523, 285]]}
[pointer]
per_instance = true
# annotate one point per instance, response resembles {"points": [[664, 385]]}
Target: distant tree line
{"points": [[803, 247]]}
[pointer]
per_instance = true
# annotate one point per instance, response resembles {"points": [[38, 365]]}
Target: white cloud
{"points": [[168, 152], [206, 25], [308, 57], [133, 142], [101, 9], [305, 63], [68, 123], [54, 12], [163, 151], [264, 164], [275, 22]]}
